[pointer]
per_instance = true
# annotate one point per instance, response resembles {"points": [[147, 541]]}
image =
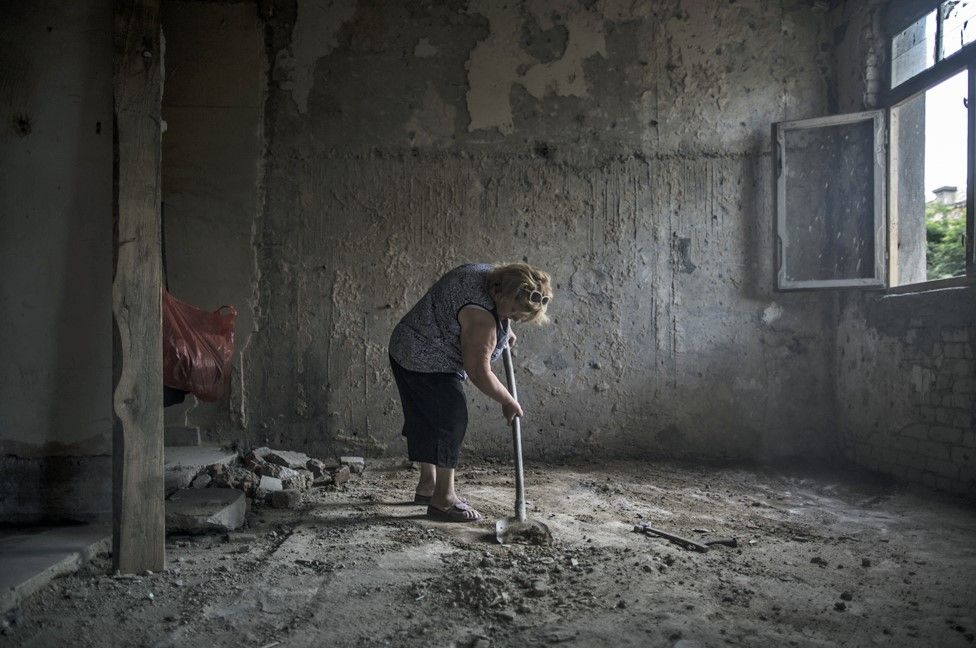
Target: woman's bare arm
{"points": [[478, 340]]}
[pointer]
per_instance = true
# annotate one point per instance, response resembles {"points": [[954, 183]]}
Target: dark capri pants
{"points": [[435, 415]]}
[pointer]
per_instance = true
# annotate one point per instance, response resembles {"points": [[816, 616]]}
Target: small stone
{"points": [[506, 615], [840, 606], [481, 642], [621, 604], [817, 560], [847, 596], [341, 475], [865, 562], [356, 464], [150, 596], [316, 466], [201, 481], [539, 587]]}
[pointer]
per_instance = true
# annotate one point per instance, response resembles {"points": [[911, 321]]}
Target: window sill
{"points": [[932, 286]]}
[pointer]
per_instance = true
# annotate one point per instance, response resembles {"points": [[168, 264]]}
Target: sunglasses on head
{"points": [[537, 297]]}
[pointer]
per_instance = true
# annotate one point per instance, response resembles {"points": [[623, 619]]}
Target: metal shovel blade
{"points": [[511, 530]]}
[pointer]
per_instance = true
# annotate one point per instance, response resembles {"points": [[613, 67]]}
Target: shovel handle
{"points": [[516, 439]]}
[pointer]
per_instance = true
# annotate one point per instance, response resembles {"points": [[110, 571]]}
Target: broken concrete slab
{"points": [[287, 458], [205, 510], [31, 558]]}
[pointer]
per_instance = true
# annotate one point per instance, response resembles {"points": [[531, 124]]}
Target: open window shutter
{"points": [[830, 202]]}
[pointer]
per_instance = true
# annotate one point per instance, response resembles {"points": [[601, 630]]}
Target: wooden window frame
{"points": [[942, 69]]}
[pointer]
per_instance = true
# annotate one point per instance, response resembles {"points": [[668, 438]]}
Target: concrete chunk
{"points": [[205, 510], [356, 464], [287, 458]]}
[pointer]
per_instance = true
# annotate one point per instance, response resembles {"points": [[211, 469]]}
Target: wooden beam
{"points": [[139, 532]]}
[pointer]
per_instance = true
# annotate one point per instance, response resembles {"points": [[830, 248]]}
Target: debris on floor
{"points": [[264, 475], [205, 510], [362, 566]]}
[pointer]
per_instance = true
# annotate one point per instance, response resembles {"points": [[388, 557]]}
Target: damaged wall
{"points": [[213, 105], [55, 260], [622, 146], [906, 370]]}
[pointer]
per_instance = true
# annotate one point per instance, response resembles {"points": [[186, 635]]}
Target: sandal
{"points": [[460, 511], [421, 499]]}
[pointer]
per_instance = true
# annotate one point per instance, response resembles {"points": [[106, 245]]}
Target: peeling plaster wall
{"points": [[213, 102], [55, 260], [623, 146]]}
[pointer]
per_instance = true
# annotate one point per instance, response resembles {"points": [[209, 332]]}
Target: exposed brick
{"points": [[906, 446], [962, 456], [945, 415], [916, 431], [955, 335], [945, 434], [942, 468], [933, 450], [962, 401], [944, 381], [955, 350], [964, 385], [958, 367]]}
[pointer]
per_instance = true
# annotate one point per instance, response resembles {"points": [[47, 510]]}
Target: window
{"points": [[884, 198]]}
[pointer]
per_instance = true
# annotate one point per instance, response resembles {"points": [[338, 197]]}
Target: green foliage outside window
{"points": [[945, 226]]}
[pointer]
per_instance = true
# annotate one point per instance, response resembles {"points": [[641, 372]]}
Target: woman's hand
{"points": [[511, 338], [511, 409]]}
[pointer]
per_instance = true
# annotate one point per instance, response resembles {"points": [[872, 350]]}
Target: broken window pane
{"points": [[929, 138], [913, 50], [958, 25], [829, 202]]}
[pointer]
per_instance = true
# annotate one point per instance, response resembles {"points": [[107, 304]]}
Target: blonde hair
{"points": [[517, 281]]}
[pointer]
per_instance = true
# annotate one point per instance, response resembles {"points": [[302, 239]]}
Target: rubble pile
{"points": [[263, 472]]}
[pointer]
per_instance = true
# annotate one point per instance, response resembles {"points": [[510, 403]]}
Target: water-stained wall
{"points": [[622, 146]]}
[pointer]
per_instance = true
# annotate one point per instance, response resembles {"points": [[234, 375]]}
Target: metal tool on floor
{"points": [[519, 528], [647, 529]]}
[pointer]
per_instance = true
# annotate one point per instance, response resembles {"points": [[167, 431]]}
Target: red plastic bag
{"points": [[197, 348]]}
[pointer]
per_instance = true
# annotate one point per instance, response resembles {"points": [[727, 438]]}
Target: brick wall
{"points": [[906, 386]]}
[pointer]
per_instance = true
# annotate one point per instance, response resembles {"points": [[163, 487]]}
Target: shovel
{"points": [[519, 529]]}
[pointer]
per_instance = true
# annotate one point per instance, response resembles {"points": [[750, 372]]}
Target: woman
{"points": [[455, 332]]}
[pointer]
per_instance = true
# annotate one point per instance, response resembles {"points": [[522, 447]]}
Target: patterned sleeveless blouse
{"points": [[428, 338]]}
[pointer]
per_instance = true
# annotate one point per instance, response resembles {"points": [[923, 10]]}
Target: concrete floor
{"points": [[821, 562], [31, 557]]}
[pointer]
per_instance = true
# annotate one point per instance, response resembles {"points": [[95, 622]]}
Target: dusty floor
{"points": [[358, 567]]}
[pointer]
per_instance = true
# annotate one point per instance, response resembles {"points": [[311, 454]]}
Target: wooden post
{"points": [[139, 531]]}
